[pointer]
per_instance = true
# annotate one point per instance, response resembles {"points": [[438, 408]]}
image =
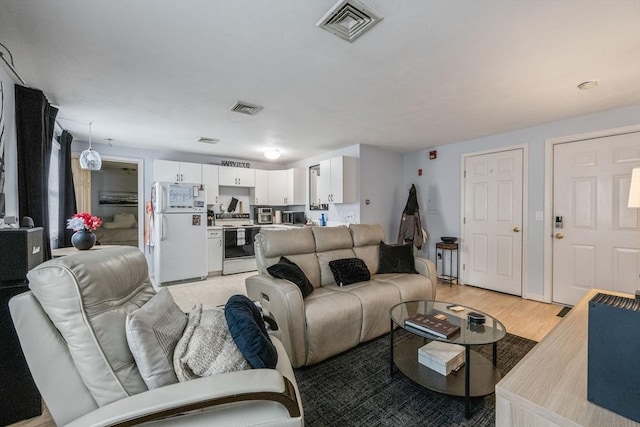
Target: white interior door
{"points": [[597, 242], [493, 221]]}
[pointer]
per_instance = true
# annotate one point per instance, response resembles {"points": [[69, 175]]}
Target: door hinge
{"points": [[464, 220], [464, 267]]}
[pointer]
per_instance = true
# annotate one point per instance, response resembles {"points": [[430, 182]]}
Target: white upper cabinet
{"points": [[337, 181], [287, 187], [172, 171], [210, 181], [260, 193], [236, 177]]}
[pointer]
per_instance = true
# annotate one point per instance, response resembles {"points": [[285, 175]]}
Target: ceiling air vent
{"points": [[349, 19], [206, 140], [245, 108]]}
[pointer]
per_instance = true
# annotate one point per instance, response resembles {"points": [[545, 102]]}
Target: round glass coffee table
{"points": [[479, 376]]}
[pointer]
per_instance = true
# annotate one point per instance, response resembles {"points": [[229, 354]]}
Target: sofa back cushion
{"points": [[298, 245], [87, 296], [366, 241], [332, 243]]}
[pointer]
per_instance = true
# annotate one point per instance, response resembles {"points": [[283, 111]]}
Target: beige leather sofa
{"points": [[331, 319], [71, 327]]}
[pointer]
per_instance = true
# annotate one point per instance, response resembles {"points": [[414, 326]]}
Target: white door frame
{"points": [[141, 210], [525, 197], [548, 194]]}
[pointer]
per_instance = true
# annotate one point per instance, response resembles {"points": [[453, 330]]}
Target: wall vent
{"points": [[349, 19], [245, 108]]}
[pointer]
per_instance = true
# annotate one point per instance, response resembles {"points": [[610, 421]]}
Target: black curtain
{"points": [[67, 205], [35, 119]]}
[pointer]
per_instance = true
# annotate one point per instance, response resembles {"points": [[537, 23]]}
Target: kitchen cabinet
{"points": [[210, 181], [260, 193], [337, 180], [287, 187], [214, 250], [236, 177], [172, 171]]}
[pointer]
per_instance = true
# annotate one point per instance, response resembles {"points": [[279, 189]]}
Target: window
{"points": [[54, 191]]}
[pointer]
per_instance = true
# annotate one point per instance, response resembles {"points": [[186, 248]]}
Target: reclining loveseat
{"points": [[328, 317]]}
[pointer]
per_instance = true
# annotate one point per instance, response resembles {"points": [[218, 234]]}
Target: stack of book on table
{"points": [[432, 325], [442, 357]]}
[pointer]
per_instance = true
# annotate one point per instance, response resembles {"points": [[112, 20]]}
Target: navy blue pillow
{"points": [[249, 333]]}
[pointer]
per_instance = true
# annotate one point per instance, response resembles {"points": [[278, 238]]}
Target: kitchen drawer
{"points": [[214, 234]]}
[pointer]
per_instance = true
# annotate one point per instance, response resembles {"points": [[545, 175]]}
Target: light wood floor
{"points": [[525, 318]]}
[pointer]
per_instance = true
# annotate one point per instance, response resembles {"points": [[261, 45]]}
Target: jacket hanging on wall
{"points": [[410, 225]]}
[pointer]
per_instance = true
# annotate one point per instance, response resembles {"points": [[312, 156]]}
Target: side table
{"points": [[452, 249]]}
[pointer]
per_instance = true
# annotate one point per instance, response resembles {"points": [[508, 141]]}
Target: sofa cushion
{"points": [[206, 347], [249, 333], [366, 234], [332, 238], [87, 296], [396, 259], [349, 270], [287, 270], [153, 331]]}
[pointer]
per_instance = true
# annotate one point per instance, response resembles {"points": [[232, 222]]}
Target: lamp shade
{"points": [[634, 189], [91, 160]]}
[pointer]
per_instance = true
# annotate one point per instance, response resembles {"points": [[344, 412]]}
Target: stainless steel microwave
{"points": [[293, 217]]}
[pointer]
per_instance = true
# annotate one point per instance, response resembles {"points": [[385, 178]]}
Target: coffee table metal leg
{"points": [[467, 378], [495, 354], [391, 351]]}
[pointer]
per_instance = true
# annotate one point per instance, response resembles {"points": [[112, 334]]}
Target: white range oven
{"points": [[238, 238]]}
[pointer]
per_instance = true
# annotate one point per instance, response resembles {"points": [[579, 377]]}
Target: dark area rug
{"points": [[354, 389]]}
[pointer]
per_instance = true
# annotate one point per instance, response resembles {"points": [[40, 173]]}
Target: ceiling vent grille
{"points": [[246, 108], [349, 19], [206, 140]]}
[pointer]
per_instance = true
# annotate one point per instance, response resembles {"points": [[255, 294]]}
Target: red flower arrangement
{"points": [[84, 221]]}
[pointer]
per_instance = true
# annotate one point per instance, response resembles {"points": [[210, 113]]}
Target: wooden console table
{"points": [[549, 385]]}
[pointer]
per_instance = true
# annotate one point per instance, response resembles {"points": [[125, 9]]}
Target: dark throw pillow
{"points": [[249, 333], [288, 270], [349, 270], [396, 259]]}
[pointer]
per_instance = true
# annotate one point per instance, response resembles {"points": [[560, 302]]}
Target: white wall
{"points": [[11, 148], [439, 188]]}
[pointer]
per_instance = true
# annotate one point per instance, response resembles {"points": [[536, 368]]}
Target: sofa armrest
{"points": [[427, 268], [283, 301], [202, 395]]}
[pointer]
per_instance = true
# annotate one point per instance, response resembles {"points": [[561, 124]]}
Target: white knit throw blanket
{"points": [[206, 347]]}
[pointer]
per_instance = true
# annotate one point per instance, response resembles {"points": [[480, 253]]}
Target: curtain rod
{"points": [[13, 70]]}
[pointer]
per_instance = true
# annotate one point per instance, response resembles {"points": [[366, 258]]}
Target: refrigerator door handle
{"points": [[162, 233]]}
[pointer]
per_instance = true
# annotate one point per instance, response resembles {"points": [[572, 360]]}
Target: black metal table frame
{"points": [[467, 365]]}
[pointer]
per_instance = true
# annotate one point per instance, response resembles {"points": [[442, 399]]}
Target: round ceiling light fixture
{"points": [[589, 84], [272, 154], [89, 158]]}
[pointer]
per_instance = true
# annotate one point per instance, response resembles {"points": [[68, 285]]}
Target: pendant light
{"points": [[90, 159]]}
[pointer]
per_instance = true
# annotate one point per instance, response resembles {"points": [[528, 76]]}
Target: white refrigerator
{"points": [[179, 235]]}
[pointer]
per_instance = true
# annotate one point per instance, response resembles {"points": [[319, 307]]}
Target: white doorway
{"points": [[593, 237], [494, 225]]}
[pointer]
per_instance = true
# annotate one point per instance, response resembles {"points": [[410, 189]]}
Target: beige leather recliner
{"points": [[332, 319], [71, 327]]}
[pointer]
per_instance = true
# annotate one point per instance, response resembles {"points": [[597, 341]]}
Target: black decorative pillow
{"points": [[396, 259], [249, 333], [349, 270], [288, 270]]}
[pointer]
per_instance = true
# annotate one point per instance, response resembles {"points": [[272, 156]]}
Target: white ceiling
{"points": [[161, 74]]}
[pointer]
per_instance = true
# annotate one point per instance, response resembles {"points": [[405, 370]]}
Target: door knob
{"points": [[516, 229], [559, 235]]}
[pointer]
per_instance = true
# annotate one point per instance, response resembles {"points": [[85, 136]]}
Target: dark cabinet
{"points": [[20, 251]]}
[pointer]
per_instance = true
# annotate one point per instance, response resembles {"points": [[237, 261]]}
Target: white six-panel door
{"points": [[597, 244], [493, 220]]}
